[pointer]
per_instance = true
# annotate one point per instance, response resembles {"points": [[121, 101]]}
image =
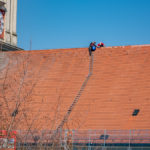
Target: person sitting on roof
{"points": [[100, 45], [92, 47]]}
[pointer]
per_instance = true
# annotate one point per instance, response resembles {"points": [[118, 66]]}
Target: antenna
{"points": [[31, 44]]}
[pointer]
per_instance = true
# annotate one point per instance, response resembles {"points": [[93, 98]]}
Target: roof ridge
{"points": [[80, 48]]}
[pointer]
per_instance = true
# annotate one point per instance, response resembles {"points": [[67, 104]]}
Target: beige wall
{"points": [[10, 35]]}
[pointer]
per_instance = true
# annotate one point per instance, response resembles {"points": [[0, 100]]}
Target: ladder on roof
{"points": [[78, 94]]}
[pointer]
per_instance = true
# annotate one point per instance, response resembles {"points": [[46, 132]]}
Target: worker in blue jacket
{"points": [[92, 47]]}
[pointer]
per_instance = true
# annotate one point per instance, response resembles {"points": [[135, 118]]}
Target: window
{"points": [[135, 112]]}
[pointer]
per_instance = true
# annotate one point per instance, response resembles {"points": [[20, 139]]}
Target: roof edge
{"points": [[144, 45]]}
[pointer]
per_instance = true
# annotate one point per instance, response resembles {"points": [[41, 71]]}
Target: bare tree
{"points": [[18, 80], [17, 83]]}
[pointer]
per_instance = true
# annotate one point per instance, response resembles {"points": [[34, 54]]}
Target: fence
{"points": [[83, 140]]}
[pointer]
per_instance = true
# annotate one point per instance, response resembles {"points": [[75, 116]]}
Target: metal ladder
{"points": [[78, 94]]}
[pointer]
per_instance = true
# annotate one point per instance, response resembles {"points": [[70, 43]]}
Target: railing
{"points": [[85, 140]]}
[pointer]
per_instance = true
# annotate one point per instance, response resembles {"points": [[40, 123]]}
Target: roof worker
{"points": [[92, 47], [100, 45]]}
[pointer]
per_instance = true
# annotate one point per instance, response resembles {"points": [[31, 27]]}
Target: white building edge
{"points": [[8, 25]]}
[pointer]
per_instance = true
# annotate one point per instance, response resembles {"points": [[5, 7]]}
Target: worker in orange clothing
{"points": [[92, 47], [100, 45]]}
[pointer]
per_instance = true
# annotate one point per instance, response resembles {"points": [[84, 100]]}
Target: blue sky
{"points": [[51, 24]]}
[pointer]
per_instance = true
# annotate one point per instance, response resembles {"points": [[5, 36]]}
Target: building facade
{"points": [[8, 23]]}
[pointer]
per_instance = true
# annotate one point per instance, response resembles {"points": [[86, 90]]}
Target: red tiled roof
{"points": [[44, 84]]}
